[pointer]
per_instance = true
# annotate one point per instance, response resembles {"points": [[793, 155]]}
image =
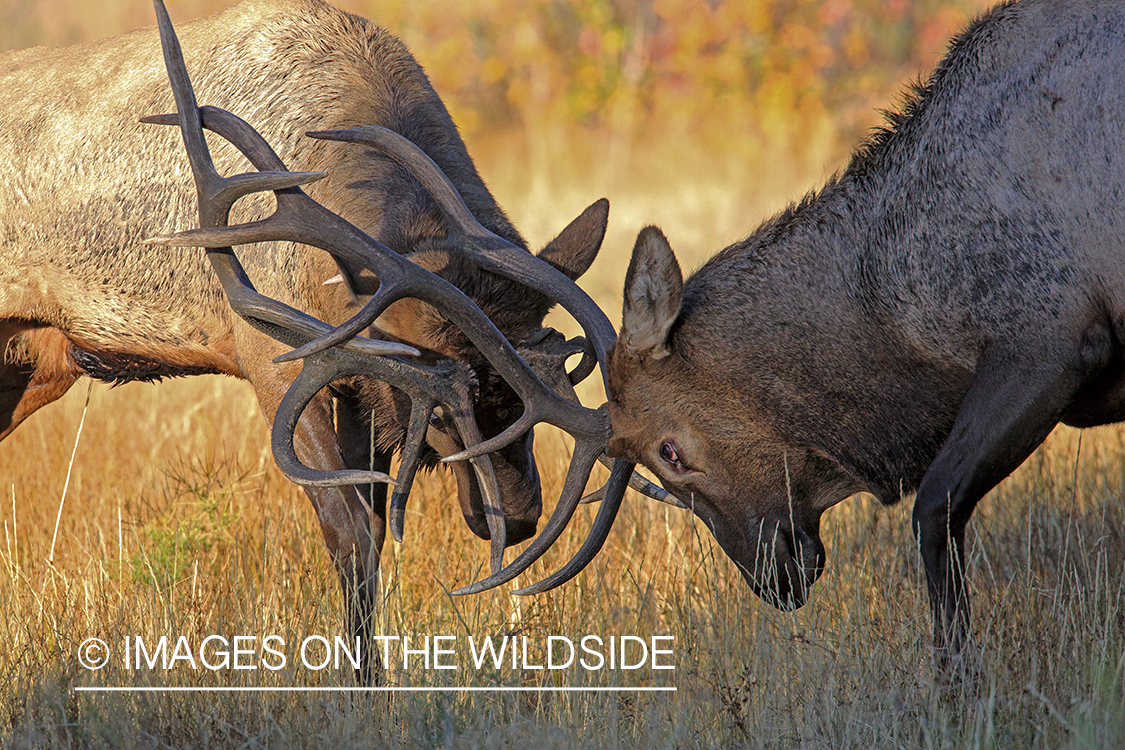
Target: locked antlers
{"points": [[536, 372]]}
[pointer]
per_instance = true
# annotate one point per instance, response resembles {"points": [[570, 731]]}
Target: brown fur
{"points": [[85, 182], [920, 324]]}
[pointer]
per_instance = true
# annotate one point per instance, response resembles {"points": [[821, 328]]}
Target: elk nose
{"points": [[516, 530]]}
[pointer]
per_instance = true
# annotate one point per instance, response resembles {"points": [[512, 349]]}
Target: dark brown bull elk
{"points": [[918, 325], [80, 294]]}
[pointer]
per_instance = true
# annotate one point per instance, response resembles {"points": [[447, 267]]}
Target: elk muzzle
{"points": [[517, 479], [779, 562]]}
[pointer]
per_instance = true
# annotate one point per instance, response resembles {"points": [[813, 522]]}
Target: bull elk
{"points": [[918, 325], [414, 244]]}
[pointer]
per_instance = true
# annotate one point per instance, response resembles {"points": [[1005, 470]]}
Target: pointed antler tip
{"points": [[325, 135], [164, 119]]}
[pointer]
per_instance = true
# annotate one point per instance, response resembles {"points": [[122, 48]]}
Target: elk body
{"points": [[85, 182], [918, 325]]}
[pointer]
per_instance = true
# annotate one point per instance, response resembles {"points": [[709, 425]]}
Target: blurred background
{"points": [[703, 117]]}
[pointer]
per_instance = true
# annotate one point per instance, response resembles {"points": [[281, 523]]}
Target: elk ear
{"points": [[575, 248], [654, 288]]}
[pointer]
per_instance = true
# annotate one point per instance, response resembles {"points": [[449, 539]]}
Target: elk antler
{"points": [[298, 218], [501, 257], [329, 354]]}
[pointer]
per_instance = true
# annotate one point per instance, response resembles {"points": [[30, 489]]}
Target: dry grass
{"points": [[177, 523]]}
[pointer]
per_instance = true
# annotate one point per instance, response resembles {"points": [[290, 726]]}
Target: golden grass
{"points": [[177, 523]]}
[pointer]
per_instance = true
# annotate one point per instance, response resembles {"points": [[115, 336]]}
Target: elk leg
{"points": [[1010, 408], [344, 522], [343, 514], [353, 433]]}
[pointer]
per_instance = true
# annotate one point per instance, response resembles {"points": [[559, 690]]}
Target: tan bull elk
{"points": [[918, 325], [82, 295]]}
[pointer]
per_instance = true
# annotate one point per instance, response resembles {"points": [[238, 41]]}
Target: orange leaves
{"points": [[774, 71], [577, 60], [783, 65]]}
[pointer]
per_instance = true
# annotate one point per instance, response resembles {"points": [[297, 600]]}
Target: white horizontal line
{"points": [[285, 689]]}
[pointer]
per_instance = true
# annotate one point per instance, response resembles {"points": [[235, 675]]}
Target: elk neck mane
{"points": [[837, 263]]}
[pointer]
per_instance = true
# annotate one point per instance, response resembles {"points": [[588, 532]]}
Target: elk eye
{"points": [[436, 421], [671, 456]]}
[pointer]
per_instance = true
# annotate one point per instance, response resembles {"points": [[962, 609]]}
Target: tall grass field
{"points": [[143, 512]]}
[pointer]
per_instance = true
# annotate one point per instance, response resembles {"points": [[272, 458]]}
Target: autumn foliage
{"points": [[700, 116], [763, 74]]}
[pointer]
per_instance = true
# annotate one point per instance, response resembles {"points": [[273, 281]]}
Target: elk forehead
{"points": [[670, 394], [709, 440], [659, 407], [633, 398]]}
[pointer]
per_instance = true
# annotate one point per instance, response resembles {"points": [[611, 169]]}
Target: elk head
{"points": [[678, 407], [517, 311], [438, 386]]}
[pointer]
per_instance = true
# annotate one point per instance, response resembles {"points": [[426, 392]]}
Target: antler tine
{"points": [[466, 425], [463, 420], [313, 377], [447, 382], [622, 475], [217, 195], [599, 532], [220, 192], [490, 251], [420, 411], [281, 321], [191, 128], [638, 483], [581, 462]]}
